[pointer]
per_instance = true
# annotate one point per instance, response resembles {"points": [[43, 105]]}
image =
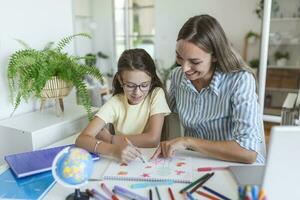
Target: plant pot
{"points": [[281, 62], [56, 88]]}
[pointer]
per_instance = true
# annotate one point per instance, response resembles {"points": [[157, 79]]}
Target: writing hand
{"points": [[168, 148]]}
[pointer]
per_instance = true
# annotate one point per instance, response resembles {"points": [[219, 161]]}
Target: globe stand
{"points": [[77, 195]]}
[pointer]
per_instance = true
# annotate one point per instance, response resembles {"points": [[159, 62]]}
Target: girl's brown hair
{"points": [[136, 59]]}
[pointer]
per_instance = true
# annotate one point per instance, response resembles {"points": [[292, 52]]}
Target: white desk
{"points": [[222, 181]]}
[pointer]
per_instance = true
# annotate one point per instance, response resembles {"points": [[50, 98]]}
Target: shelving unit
{"points": [[283, 78]]}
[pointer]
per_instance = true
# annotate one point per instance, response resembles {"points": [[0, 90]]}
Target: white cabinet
{"points": [[37, 129]]}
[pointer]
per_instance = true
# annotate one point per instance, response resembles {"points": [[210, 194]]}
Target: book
{"points": [[34, 162], [31, 187], [176, 169]]}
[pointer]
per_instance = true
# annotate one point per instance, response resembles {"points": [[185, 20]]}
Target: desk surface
{"points": [[222, 181]]}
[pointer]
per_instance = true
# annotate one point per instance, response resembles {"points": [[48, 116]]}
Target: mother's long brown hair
{"points": [[206, 32]]}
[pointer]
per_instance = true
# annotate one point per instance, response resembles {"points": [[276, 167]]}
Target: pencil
{"points": [[157, 192], [215, 193], [171, 193], [193, 183], [140, 157], [201, 183], [150, 194], [207, 195]]}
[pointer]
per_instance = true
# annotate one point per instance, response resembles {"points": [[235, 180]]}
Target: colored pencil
{"points": [[201, 183], [140, 156], [108, 192], [215, 193], [207, 195], [190, 196], [193, 183], [171, 193], [157, 192], [150, 194], [206, 169]]}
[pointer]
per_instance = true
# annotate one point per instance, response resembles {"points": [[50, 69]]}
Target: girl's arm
{"points": [[224, 150], [150, 137], [87, 140]]}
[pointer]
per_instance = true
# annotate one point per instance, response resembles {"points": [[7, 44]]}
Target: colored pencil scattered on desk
{"points": [[193, 183], [190, 196], [201, 183], [108, 192], [221, 196], [127, 193], [98, 195], [157, 193], [207, 195], [206, 169], [171, 193], [150, 194]]}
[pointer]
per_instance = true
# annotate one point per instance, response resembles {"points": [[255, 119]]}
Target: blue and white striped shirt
{"points": [[226, 110]]}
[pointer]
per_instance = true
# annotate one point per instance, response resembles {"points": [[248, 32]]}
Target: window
{"points": [[134, 25]]}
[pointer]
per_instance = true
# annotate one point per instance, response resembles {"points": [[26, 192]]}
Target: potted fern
{"points": [[34, 72]]}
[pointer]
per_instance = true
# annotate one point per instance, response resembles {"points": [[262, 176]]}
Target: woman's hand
{"points": [[126, 153], [168, 148]]}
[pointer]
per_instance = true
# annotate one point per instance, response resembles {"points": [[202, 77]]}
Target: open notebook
{"points": [[177, 169]]}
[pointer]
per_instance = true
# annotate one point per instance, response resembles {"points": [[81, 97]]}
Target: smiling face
{"points": [[195, 62], [136, 85]]}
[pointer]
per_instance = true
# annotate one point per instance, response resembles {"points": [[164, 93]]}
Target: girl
{"points": [[136, 110]]}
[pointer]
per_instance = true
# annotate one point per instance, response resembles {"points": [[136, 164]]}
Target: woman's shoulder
{"points": [[177, 74]]}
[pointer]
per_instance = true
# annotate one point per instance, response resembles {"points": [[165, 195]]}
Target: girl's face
{"points": [[195, 62], [136, 85]]}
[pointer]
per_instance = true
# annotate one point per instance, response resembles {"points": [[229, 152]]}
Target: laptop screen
{"points": [[282, 173]]}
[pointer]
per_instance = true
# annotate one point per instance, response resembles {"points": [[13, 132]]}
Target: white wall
{"points": [[236, 18], [36, 22]]}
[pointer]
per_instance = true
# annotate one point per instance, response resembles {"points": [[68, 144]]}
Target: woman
{"points": [[214, 93]]}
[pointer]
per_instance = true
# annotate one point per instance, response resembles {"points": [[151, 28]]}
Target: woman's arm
{"points": [[150, 137], [224, 150]]}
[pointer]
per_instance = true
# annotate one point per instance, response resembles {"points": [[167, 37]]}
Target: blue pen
{"points": [[190, 196], [150, 184], [128, 194], [215, 193]]}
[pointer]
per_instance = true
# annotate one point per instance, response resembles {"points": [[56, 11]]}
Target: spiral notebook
{"points": [[176, 169]]}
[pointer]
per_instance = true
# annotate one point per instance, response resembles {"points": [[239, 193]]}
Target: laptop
{"points": [[281, 175]]}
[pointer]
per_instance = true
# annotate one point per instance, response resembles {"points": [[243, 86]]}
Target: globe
{"points": [[72, 167]]}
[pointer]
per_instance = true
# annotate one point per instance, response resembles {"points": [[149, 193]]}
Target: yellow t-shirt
{"points": [[132, 119]]}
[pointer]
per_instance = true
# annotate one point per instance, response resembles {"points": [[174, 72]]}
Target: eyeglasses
{"points": [[144, 87]]}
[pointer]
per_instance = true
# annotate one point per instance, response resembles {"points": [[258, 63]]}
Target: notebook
{"points": [[33, 162], [176, 169], [31, 187]]}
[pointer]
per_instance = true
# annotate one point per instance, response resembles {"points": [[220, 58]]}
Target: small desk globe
{"points": [[72, 167]]}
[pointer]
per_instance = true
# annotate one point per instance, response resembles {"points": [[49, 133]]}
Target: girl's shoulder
{"points": [[157, 91]]}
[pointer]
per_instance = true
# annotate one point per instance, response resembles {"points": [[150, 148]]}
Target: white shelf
{"points": [[285, 19]]}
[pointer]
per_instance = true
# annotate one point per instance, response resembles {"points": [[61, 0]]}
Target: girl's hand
{"points": [[168, 148], [126, 153]]}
